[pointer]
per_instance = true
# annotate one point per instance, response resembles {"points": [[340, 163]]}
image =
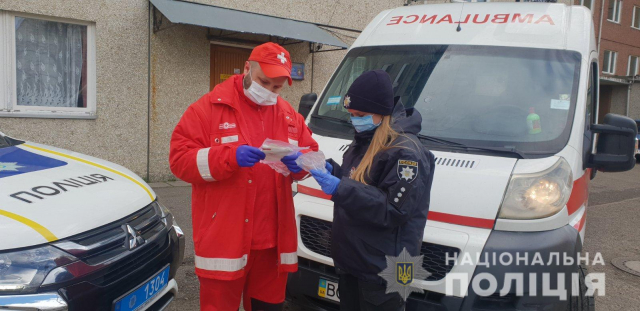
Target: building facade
{"points": [[617, 25], [111, 78]]}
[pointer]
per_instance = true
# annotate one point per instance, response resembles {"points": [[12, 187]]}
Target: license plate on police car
{"points": [[138, 298], [328, 289]]}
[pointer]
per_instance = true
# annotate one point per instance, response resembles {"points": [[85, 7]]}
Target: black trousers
{"points": [[358, 295]]}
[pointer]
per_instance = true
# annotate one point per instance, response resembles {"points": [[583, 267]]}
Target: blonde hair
{"points": [[381, 140]]}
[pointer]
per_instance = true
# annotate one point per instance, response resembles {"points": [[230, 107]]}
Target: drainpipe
{"points": [[600, 30], [313, 68], [629, 96], [149, 91]]}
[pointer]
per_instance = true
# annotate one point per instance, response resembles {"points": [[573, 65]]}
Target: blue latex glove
{"points": [[328, 182], [290, 162], [329, 167], [248, 156]]}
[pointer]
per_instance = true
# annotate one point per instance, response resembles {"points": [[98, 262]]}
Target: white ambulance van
{"points": [[508, 93], [80, 233]]}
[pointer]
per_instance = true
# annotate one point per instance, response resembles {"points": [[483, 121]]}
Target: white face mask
{"points": [[259, 95]]}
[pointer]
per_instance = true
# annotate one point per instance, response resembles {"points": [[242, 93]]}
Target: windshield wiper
{"points": [[511, 150], [458, 145], [441, 141]]}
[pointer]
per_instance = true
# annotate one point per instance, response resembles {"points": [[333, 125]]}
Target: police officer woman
{"points": [[380, 193]]}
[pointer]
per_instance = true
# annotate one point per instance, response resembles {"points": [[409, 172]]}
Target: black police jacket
{"points": [[389, 213]]}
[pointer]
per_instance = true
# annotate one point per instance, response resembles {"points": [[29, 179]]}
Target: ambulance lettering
{"points": [[57, 187], [430, 19], [516, 18]]}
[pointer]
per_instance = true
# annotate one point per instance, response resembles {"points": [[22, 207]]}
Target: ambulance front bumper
{"points": [[302, 286], [302, 290]]}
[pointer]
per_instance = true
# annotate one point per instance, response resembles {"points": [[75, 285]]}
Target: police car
{"points": [[508, 93], [80, 233]]}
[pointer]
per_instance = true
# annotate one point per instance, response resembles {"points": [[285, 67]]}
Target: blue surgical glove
{"points": [[248, 156], [328, 167], [290, 162], [328, 182]]}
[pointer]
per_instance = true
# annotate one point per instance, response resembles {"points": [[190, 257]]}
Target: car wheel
{"points": [[581, 302]]}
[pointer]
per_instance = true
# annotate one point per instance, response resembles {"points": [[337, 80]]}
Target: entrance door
{"points": [[225, 62], [606, 93]]}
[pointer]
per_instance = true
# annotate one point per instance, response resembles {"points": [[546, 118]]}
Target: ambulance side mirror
{"points": [[306, 104], [615, 149]]}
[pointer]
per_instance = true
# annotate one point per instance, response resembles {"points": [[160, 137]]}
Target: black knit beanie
{"points": [[371, 92]]}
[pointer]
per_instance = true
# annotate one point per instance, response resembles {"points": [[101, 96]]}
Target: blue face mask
{"points": [[363, 124]]}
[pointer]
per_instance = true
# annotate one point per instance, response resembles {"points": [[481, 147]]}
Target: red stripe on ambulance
{"points": [[435, 216], [313, 192], [579, 193], [461, 220]]}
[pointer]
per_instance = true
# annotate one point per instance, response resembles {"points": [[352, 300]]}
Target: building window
{"points": [[615, 7], [586, 3], [634, 66], [49, 67], [609, 65], [636, 18]]}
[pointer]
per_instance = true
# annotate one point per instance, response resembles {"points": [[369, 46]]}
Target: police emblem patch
{"points": [[347, 101], [401, 271], [407, 170]]}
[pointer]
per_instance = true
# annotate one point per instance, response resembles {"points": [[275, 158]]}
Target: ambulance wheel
{"points": [[581, 302]]}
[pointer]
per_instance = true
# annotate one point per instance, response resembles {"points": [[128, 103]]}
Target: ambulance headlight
{"points": [[538, 195], [164, 212], [22, 272]]}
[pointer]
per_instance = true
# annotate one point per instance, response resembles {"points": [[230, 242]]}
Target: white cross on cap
{"points": [[282, 58]]}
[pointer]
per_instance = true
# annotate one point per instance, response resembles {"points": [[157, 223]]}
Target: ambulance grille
{"points": [[451, 162], [316, 236]]}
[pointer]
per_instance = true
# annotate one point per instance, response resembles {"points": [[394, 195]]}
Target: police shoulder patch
{"points": [[407, 170]]}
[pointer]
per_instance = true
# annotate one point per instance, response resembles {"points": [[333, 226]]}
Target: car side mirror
{"points": [[306, 103], [615, 149]]}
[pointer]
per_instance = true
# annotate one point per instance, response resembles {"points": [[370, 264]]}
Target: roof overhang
{"points": [[614, 80], [182, 12]]}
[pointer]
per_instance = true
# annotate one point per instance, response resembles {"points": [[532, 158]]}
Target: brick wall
{"points": [[617, 37]]}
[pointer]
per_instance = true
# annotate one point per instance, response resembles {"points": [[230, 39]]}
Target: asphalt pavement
{"points": [[612, 229]]}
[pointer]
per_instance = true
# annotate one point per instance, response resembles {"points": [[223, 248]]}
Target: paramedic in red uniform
{"points": [[244, 229]]}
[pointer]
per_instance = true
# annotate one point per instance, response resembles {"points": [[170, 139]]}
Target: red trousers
{"points": [[261, 282]]}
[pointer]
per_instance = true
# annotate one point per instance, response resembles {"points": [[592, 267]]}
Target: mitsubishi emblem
{"points": [[132, 239]]}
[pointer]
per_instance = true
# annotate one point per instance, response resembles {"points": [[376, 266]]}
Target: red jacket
{"points": [[203, 153]]}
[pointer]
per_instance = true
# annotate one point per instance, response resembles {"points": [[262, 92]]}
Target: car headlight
{"points": [[538, 195], [22, 272], [164, 212]]}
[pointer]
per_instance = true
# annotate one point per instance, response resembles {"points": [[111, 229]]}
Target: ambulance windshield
{"points": [[484, 96]]}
